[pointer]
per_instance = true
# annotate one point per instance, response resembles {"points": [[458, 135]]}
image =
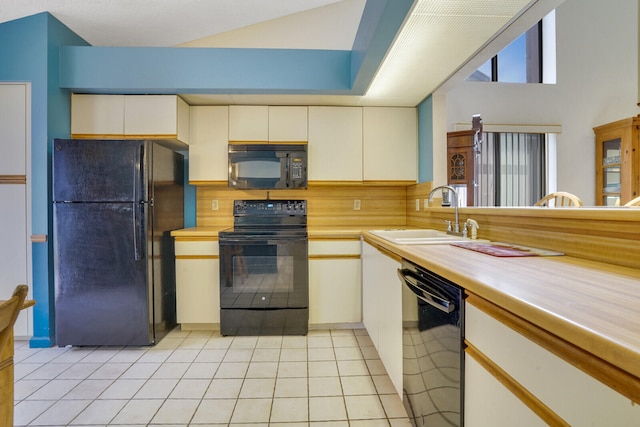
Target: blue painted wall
{"points": [[256, 71], [425, 140], [41, 50], [29, 50]]}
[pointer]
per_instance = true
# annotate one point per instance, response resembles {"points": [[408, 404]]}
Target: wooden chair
{"points": [[633, 202], [559, 199], [9, 310]]}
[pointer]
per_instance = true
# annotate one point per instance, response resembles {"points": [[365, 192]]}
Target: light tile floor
{"points": [[199, 378]]}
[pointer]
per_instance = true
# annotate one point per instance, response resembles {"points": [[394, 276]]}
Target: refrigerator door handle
{"points": [[138, 204], [136, 230]]}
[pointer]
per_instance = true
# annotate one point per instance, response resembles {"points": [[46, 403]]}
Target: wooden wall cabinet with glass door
{"points": [[617, 167], [461, 162]]}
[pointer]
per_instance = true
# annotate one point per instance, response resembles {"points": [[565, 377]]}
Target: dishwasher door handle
{"points": [[442, 304]]}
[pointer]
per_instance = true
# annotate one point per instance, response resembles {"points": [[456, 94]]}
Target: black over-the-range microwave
{"points": [[267, 166]]}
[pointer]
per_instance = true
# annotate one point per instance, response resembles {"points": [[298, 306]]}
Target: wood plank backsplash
{"points": [[327, 206], [609, 235]]}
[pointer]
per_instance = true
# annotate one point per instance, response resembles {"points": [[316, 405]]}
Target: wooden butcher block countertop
{"points": [[591, 305]]}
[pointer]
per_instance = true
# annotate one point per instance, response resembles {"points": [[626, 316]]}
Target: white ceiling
{"points": [[436, 39]]}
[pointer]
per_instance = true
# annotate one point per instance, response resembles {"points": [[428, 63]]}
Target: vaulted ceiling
{"points": [[436, 39]]}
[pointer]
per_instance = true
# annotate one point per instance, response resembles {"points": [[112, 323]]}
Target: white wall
{"points": [[597, 82]]}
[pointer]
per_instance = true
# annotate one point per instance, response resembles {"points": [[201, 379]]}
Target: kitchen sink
{"points": [[425, 236]]}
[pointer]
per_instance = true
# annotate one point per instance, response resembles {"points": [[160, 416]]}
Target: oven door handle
{"points": [[425, 293], [262, 240]]}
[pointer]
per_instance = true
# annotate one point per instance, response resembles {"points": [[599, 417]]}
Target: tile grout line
{"points": [[357, 343]]}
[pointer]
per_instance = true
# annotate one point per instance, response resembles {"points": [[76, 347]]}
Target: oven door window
{"points": [[265, 274]]}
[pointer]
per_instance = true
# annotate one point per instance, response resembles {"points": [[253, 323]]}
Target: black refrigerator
{"points": [[115, 203]]}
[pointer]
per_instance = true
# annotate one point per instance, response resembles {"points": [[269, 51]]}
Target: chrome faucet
{"points": [[456, 224]]}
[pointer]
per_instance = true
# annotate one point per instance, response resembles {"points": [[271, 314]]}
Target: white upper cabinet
{"points": [[248, 123], [13, 130], [288, 124], [390, 144], [261, 123], [129, 116], [208, 146], [97, 115], [335, 144], [156, 116]]}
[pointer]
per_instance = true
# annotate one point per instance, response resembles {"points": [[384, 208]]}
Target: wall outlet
{"points": [[426, 204], [356, 205], [417, 205], [214, 205]]}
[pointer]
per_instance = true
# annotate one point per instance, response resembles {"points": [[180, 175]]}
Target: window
{"points": [[512, 169], [519, 62]]}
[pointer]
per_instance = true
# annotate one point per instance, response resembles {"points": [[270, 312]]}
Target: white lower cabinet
{"points": [[569, 393], [334, 282], [382, 308], [489, 403], [198, 284]]}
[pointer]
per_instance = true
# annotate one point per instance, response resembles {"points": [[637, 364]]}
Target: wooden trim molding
{"points": [[197, 256], [97, 136], [334, 238], [621, 381], [209, 183], [236, 142], [525, 396], [335, 256], [317, 183], [195, 239], [169, 136], [13, 179]]}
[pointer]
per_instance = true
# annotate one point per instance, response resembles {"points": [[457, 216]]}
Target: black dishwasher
{"points": [[432, 343]]}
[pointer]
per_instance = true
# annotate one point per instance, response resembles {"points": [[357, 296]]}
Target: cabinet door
{"points": [[574, 396], [197, 283], [390, 144], [13, 248], [335, 144], [617, 162], [97, 116], [370, 293], [335, 294], [14, 227], [489, 403], [208, 151], [288, 124], [156, 116], [334, 291], [249, 123], [382, 309]]}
